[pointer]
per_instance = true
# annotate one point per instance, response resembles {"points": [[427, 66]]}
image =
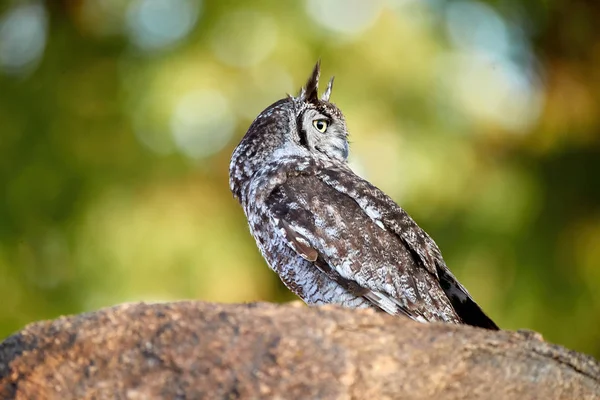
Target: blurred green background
{"points": [[118, 118]]}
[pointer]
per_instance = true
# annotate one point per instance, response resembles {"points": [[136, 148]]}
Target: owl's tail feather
{"points": [[464, 305], [472, 314]]}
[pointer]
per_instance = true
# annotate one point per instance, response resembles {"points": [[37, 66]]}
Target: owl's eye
{"points": [[321, 125]]}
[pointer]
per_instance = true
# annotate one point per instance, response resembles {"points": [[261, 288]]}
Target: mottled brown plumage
{"points": [[330, 235]]}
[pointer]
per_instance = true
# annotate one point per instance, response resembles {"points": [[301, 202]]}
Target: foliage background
{"points": [[118, 118]]}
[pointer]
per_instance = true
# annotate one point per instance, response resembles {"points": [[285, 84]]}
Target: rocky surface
{"points": [[195, 350]]}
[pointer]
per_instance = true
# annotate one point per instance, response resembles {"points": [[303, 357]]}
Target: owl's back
{"points": [[356, 245]]}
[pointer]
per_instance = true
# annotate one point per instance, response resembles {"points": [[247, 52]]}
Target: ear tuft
{"points": [[327, 93], [310, 91]]}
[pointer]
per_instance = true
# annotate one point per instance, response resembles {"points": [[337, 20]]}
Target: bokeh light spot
{"points": [[22, 37], [494, 90], [244, 38], [476, 26], [344, 16], [202, 123], [489, 71], [154, 24]]}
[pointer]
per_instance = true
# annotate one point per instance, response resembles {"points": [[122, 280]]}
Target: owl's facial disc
{"points": [[320, 124], [319, 131]]}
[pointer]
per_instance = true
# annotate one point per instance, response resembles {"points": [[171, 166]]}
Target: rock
{"points": [[196, 350]]}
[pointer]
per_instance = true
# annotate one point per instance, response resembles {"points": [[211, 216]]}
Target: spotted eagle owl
{"points": [[333, 237]]}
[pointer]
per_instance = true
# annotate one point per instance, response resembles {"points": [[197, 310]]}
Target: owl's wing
{"points": [[329, 228], [302, 246], [382, 209], [365, 242]]}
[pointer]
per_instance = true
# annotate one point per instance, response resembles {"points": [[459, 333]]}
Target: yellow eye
{"points": [[321, 125]]}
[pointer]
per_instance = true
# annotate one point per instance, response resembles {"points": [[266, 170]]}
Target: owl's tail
{"points": [[472, 314], [464, 305]]}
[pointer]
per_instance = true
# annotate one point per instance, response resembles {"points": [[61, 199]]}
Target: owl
{"points": [[331, 236]]}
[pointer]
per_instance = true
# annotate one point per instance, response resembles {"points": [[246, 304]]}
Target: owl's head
{"points": [[320, 125], [305, 125]]}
